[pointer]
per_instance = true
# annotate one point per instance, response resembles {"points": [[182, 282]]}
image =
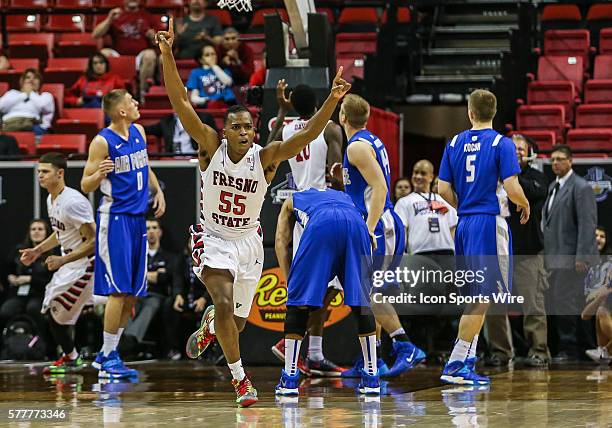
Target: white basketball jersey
{"points": [[307, 168], [67, 213], [233, 194]]}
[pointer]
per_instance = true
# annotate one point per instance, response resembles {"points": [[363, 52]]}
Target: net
{"points": [[238, 5]]}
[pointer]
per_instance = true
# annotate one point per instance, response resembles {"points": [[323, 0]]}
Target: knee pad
{"points": [[365, 319], [296, 320]]}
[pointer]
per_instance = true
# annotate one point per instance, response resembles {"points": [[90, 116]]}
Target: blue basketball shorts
{"points": [[121, 255], [337, 245], [483, 243]]}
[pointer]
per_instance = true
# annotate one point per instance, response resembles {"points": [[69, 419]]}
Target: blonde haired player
{"points": [[71, 287], [228, 248]]}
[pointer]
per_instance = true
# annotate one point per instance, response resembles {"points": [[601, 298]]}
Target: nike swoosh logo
{"points": [[378, 236], [118, 146], [411, 357]]}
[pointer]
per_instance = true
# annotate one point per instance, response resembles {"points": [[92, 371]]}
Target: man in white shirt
{"points": [[430, 221], [27, 109]]}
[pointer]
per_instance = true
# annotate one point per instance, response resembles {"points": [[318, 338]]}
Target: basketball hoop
{"points": [[238, 5]]}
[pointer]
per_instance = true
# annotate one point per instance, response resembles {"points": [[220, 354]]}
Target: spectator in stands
{"points": [[132, 31], [429, 220], [196, 29], [4, 62], [27, 283], [176, 139], [258, 78], [210, 85], [94, 84], [236, 56], [569, 219], [161, 267], [27, 109], [529, 278], [598, 289], [401, 188], [189, 299]]}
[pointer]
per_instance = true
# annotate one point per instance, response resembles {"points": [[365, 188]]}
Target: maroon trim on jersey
{"points": [[64, 304], [69, 298], [74, 291], [80, 284]]}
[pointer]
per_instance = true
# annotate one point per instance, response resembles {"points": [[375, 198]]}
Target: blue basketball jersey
{"points": [[317, 204], [355, 185], [126, 189], [474, 162]]}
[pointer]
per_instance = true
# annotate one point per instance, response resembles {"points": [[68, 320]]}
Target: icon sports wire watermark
{"points": [[440, 284]]}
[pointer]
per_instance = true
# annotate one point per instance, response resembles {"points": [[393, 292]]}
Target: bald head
{"points": [[422, 175]]}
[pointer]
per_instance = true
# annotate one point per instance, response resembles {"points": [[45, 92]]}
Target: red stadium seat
{"points": [[57, 90], [598, 12], [599, 89], [65, 70], [74, 4], [553, 92], [594, 116], [154, 145], [542, 117], [565, 15], [4, 87], [34, 45], [184, 67], [110, 4], [258, 16], [256, 42], [76, 45], [23, 23], [225, 18], [25, 140], [151, 117], [603, 67], [157, 98], [353, 65], [568, 43], [28, 4], [591, 139], [64, 143], [124, 66], [358, 19], [65, 23], [605, 41], [403, 16], [18, 66], [544, 139], [86, 121], [161, 19], [358, 43], [562, 68]]}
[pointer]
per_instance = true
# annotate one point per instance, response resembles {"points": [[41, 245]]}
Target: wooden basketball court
{"points": [[191, 394]]}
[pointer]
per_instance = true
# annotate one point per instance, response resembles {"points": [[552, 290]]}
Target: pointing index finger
{"points": [[339, 73], [171, 25]]}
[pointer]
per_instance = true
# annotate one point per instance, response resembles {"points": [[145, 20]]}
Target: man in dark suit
{"points": [[176, 139], [569, 218]]}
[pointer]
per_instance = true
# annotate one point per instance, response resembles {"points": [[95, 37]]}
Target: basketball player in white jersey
{"points": [[309, 170], [71, 287], [228, 248]]}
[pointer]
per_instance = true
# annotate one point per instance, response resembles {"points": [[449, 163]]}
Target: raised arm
{"points": [[333, 138], [279, 151], [205, 136], [284, 234], [98, 165], [284, 105]]}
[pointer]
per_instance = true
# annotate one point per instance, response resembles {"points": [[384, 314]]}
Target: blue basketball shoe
{"points": [[288, 385], [408, 356], [113, 368], [459, 373], [355, 371], [97, 364], [370, 384]]}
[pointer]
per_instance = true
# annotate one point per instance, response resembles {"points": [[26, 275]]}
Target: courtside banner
{"points": [[269, 304]]}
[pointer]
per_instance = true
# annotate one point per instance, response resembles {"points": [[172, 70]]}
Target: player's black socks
{"points": [[63, 335], [402, 338]]}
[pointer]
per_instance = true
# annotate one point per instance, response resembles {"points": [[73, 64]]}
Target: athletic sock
{"points": [[368, 349], [211, 327], [120, 332], [460, 351], [73, 355], [110, 343], [292, 354], [315, 348], [473, 346], [399, 335], [237, 370]]}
